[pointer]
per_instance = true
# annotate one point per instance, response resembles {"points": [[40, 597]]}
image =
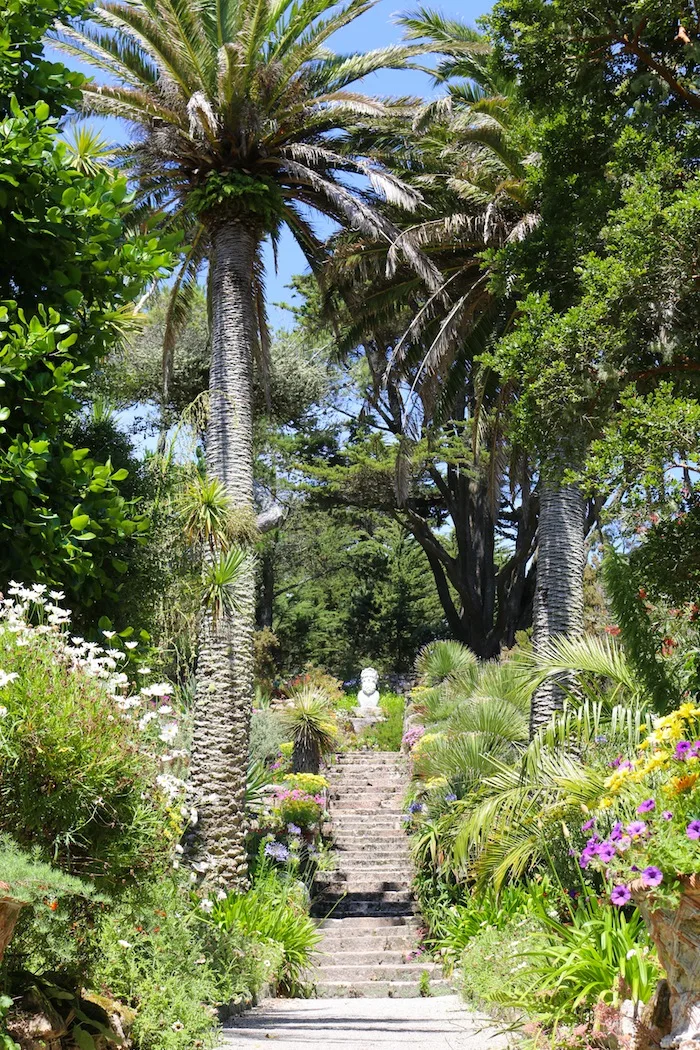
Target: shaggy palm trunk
{"points": [[559, 592], [225, 657]]}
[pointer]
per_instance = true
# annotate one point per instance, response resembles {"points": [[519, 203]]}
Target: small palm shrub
{"points": [[79, 772], [310, 725], [439, 662]]}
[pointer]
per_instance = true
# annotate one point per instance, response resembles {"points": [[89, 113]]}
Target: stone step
{"points": [[377, 857], [345, 907], [366, 870], [390, 944], [374, 972], [377, 989], [366, 807], [350, 840], [328, 957], [366, 886], [375, 924]]}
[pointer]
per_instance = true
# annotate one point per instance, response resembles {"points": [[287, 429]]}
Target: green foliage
{"points": [[222, 574], [266, 735], [63, 241], [593, 954], [352, 590], [242, 196], [154, 954], [31, 880], [491, 963], [76, 781], [641, 641], [275, 912], [386, 735], [6, 1041]]}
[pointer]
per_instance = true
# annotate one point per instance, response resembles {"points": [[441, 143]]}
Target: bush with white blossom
{"points": [[88, 768]]}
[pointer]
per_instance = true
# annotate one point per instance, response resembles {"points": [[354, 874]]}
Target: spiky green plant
{"points": [[310, 725], [221, 578], [440, 661]]}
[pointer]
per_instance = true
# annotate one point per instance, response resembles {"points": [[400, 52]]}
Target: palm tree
{"points": [[558, 608], [243, 113]]}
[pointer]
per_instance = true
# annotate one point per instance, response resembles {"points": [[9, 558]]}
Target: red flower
{"points": [[667, 646], [642, 593], [614, 630]]}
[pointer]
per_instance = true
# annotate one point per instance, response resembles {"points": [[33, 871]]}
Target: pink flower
{"points": [[647, 806], [638, 827]]}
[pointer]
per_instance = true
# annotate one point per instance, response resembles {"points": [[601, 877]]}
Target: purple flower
{"points": [[683, 749], [588, 825], [667, 815], [606, 851], [616, 833], [278, 851], [293, 829], [693, 829], [415, 807], [623, 844], [587, 856], [451, 797], [652, 876], [620, 895], [601, 740], [637, 828], [646, 806]]}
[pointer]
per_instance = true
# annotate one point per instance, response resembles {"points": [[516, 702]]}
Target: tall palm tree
{"points": [[558, 612], [242, 113]]}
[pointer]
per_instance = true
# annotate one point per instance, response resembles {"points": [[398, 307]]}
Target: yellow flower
{"points": [[606, 803], [680, 784]]}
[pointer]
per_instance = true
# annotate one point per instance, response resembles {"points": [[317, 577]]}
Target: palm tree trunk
{"points": [[559, 592], [225, 659]]}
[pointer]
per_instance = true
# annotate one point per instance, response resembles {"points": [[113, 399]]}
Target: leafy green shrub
{"points": [[275, 911], [76, 779], [155, 953], [53, 931], [490, 963], [310, 724], [266, 736], [294, 806]]}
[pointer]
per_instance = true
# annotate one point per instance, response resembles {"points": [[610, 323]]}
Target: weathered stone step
{"points": [[359, 885], [369, 945], [366, 870], [374, 972], [363, 957], [374, 923], [345, 907], [377, 989], [383, 840]]}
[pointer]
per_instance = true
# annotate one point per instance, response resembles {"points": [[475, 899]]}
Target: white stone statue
{"points": [[368, 696]]}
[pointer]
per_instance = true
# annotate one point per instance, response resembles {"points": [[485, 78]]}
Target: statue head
{"points": [[369, 680]]}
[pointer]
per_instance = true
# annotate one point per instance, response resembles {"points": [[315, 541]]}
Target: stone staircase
{"points": [[365, 907]]}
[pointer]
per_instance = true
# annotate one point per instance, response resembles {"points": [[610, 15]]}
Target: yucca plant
{"points": [[221, 581], [309, 723]]}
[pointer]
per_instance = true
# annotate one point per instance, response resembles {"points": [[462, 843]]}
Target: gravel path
{"points": [[440, 1023]]}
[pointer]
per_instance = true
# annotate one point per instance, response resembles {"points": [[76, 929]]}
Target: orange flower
{"points": [[681, 784], [53, 905]]}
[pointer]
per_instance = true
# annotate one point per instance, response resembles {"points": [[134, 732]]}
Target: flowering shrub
{"points": [[411, 737], [294, 806], [86, 764], [656, 798], [312, 783]]}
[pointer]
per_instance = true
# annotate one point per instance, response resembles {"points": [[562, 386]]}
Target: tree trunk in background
{"points": [[225, 659], [559, 592]]}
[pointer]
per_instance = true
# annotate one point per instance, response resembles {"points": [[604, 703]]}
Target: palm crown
{"points": [[242, 105]]}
